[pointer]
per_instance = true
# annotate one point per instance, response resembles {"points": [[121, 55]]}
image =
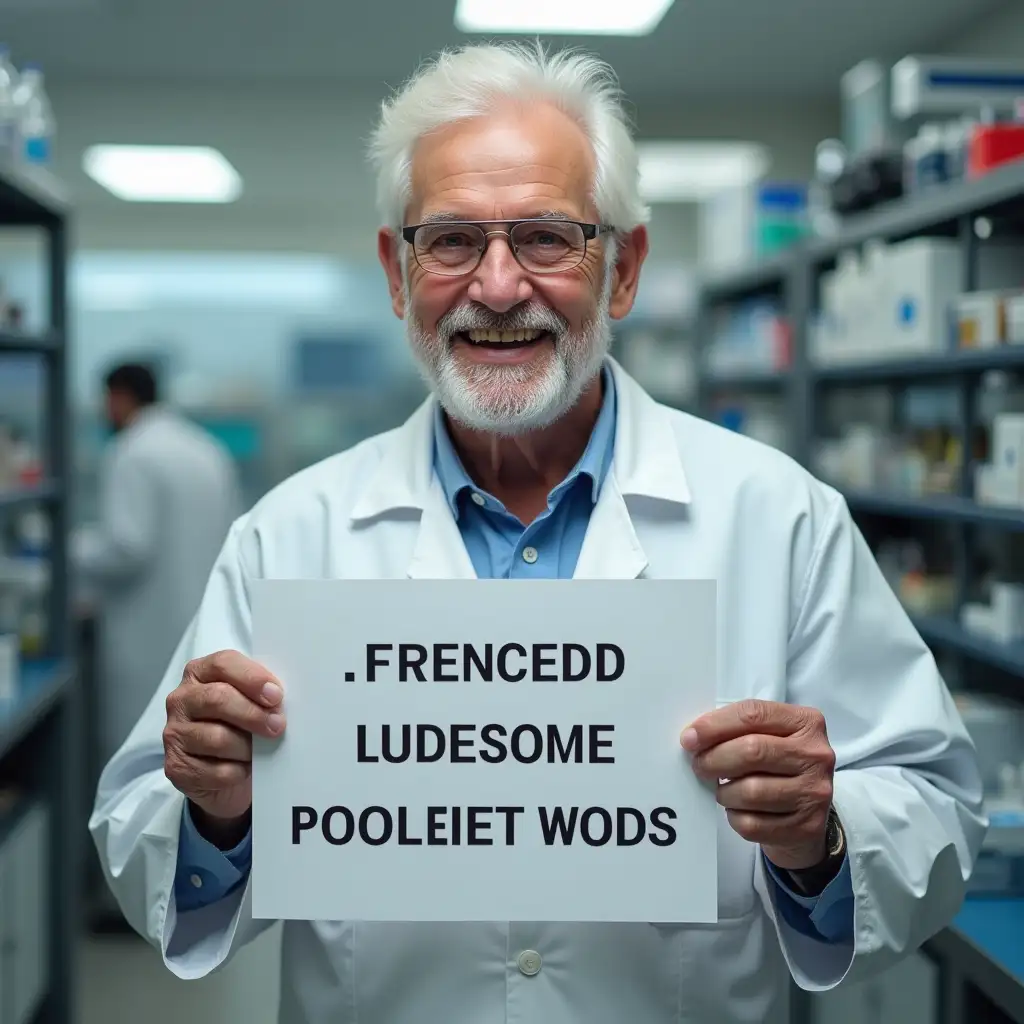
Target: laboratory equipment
{"points": [[741, 225], [868, 122], [951, 86], [892, 301]]}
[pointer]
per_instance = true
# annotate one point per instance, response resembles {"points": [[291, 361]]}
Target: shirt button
{"points": [[529, 962], [530, 555], [478, 499], [197, 882]]}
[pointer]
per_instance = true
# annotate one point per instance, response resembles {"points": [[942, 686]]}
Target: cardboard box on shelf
{"points": [[979, 319]]}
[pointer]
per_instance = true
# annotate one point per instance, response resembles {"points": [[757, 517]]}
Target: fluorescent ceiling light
{"points": [[163, 174], [561, 17], [673, 172]]}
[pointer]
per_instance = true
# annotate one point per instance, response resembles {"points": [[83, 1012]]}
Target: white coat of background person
{"points": [[514, 233], [168, 493]]}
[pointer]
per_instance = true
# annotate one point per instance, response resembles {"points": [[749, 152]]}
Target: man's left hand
{"points": [[773, 765]]}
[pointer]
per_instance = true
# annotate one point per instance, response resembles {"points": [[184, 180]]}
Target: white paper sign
{"points": [[485, 750]]}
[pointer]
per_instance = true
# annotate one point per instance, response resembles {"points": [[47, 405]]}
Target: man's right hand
{"points": [[223, 700]]}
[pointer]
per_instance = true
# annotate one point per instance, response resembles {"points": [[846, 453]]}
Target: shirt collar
{"points": [[594, 462]]}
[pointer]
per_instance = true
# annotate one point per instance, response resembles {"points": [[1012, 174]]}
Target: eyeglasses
{"points": [[541, 246]]}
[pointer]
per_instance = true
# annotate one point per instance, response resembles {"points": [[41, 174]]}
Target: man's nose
{"points": [[499, 282]]}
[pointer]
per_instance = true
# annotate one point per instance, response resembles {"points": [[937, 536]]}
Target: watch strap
{"points": [[813, 881]]}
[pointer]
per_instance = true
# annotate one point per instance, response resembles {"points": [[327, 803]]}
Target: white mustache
{"points": [[478, 318]]}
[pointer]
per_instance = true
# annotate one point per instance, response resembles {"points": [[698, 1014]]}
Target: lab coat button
{"points": [[529, 962], [197, 882], [478, 499], [530, 555]]}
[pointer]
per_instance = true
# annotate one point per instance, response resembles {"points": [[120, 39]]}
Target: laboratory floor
{"points": [[122, 979]]}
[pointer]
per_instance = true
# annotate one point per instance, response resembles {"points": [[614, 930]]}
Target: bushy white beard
{"points": [[513, 399]]}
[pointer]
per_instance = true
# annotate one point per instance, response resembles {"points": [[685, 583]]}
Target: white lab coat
{"points": [[805, 617], [168, 496]]}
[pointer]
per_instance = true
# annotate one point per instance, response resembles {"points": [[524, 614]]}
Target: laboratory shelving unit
{"points": [[980, 958], [39, 737], [952, 211]]}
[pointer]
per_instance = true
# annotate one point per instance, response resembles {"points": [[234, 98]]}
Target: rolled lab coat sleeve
{"points": [[123, 543], [907, 788], [138, 815]]}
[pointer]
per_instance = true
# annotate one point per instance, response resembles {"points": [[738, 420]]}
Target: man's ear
{"points": [[389, 253], [631, 253]]}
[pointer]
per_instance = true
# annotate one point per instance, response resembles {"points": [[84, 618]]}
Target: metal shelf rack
{"points": [[794, 276], [968, 963], [944, 507], [39, 735]]}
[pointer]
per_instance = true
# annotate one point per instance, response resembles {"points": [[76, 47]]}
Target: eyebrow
{"points": [[458, 218]]}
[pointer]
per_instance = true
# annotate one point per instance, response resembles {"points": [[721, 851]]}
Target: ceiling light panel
{"points": [[49, 6], [163, 174], [561, 17]]}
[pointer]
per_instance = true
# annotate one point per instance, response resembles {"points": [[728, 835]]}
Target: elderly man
{"points": [[514, 234]]}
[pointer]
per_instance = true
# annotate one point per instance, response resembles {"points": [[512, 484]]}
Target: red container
{"points": [[993, 145]]}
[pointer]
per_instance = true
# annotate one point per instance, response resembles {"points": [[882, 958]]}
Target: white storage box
{"points": [[1008, 454], [920, 279]]}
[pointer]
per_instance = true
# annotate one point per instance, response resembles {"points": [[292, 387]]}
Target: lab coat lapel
{"points": [[404, 482], [645, 465], [440, 552], [611, 548]]}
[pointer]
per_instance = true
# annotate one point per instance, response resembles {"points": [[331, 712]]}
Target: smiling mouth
{"points": [[503, 339]]}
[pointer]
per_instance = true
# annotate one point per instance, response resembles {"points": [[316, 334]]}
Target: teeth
{"points": [[503, 337]]}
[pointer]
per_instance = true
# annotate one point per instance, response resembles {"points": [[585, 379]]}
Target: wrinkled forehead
{"points": [[514, 162]]}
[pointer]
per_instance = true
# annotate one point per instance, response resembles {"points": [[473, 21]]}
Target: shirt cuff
{"points": [[206, 874], [828, 916]]}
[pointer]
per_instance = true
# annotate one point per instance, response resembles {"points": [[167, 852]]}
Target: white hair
{"points": [[469, 82]]}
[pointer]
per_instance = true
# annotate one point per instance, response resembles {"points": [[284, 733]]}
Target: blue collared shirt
{"points": [[501, 547]]}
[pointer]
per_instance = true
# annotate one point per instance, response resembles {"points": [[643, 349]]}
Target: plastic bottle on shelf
{"points": [[35, 116], [8, 107]]}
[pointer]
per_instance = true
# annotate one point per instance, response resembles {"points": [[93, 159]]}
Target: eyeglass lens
{"points": [[546, 248]]}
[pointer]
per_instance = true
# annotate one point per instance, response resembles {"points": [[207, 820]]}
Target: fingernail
{"points": [[275, 723], [689, 739], [271, 694]]}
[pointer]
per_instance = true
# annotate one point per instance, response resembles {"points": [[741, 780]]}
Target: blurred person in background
{"points": [[168, 493], [514, 233]]}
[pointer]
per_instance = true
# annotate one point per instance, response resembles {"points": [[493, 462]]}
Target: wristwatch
{"points": [[812, 881]]}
